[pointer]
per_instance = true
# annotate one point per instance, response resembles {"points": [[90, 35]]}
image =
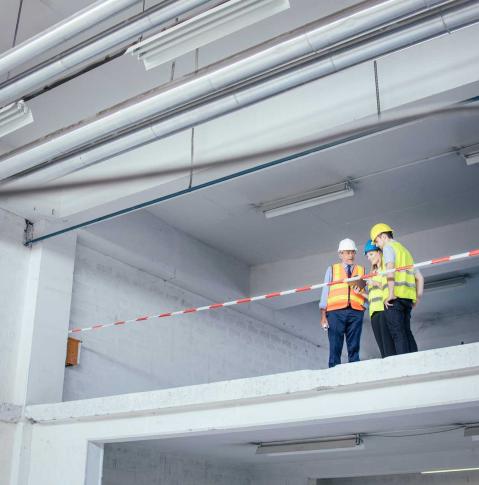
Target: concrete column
{"points": [[44, 322], [94, 464]]}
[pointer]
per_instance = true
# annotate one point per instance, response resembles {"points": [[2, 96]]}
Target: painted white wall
{"points": [[151, 245], [170, 352]]}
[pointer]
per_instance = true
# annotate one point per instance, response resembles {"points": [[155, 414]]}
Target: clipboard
{"points": [[361, 284]]}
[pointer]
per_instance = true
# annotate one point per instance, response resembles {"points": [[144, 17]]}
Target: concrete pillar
{"points": [[37, 285], [44, 322], [94, 464]]}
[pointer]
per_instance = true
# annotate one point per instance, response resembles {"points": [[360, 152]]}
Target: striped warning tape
{"points": [[214, 306]]}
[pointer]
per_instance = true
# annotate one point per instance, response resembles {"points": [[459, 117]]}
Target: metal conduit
{"points": [[60, 32], [305, 41], [16, 87]]}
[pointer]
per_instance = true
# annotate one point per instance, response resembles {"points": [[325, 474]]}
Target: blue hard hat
{"points": [[370, 246]]}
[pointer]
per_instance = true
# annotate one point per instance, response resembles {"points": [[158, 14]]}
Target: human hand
{"points": [[388, 302], [418, 299], [357, 289], [324, 323]]}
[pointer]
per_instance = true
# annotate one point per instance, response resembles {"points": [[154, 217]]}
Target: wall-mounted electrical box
{"points": [[73, 352]]}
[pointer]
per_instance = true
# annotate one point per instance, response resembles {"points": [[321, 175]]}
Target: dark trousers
{"points": [[344, 323], [398, 322], [382, 335]]}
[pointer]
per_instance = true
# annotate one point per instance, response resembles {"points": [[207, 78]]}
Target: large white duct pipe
{"points": [[60, 32], [17, 87], [310, 39], [336, 62]]}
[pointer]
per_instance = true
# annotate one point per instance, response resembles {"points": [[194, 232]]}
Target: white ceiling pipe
{"points": [[16, 88], [369, 50], [60, 32], [304, 41]]}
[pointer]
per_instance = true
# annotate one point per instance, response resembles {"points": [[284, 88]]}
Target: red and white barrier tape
{"points": [[446, 259]]}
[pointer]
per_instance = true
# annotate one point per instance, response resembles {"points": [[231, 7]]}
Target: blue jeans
{"points": [[346, 322]]}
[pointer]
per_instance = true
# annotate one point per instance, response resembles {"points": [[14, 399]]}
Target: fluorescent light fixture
{"points": [[14, 116], [451, 470], [472, 431], [278, 448], [308, 199], [471, 158], [470, 154], [204, 28], [445, 284]]}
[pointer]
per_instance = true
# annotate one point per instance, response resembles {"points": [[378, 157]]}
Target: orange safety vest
{"points": [[341, 295]]}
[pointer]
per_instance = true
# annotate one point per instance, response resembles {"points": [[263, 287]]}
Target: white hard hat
{"points": [[347, 245]]}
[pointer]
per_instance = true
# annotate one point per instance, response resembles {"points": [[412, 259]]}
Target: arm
{"points": [[324, 298], [390, 280], [390, 262], [419, 285]]}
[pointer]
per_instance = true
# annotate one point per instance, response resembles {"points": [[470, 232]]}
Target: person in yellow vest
{"points": [[375, 291], [342, 305], [403, 291]]}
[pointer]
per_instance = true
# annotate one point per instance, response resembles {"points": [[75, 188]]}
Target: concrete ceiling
{"points": [[399, 176], [428, 450]]}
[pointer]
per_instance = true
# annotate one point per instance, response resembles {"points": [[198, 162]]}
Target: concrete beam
{"points": [[428, 365], [396, 386]]}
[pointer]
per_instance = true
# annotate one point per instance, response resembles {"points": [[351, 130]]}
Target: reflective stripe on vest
{"points": [[404, 281], [340, 295], [375, 294]]}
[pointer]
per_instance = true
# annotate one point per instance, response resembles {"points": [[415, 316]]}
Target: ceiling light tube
{"points": [[336, 443], [472, 431], [471, 158], [309, 199], [451, 470], [202, 29], [446, 283], [14, 116], [60, 32]]}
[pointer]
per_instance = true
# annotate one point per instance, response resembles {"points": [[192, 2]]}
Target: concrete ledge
{"points": [[10, 413], [422, 366]]}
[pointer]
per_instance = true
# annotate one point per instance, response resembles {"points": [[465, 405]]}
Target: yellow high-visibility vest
{"points": [[376, 294], [404, 281], [341, 295]]}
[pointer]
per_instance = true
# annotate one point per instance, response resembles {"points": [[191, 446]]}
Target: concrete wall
{"points": [[142, 466], [14, 259], [124, 466], [177, 351], [459, 478]]}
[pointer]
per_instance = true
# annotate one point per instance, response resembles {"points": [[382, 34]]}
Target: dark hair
{"points": [[389, 234]]}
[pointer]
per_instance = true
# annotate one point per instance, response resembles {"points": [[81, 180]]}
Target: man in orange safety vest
{"points": [[342, 305]]}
